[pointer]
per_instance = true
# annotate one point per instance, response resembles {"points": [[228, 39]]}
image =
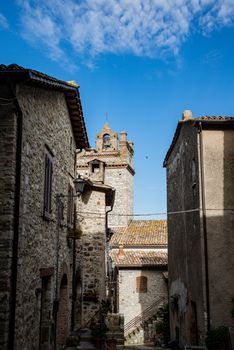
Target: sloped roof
{"points": [[135, 258], [141, 233], [195, 121], [32, 77]]}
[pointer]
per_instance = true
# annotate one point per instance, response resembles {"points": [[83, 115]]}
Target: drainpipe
{"points": [[74, 260], [14, 266], [203, 200], [107, 258]]}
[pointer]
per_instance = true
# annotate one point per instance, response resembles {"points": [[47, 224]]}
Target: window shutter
{"points": [[141, 284]]}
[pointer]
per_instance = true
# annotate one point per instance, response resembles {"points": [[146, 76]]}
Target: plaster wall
{"points": [[218, 151]]}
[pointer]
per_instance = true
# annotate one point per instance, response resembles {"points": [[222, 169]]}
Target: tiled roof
{"points": [[141, 233], [34, 78], [139, 258], [215, 118], [194, 121]]}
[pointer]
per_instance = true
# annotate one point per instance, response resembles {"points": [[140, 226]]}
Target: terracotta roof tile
{"points": [[214, 117], [140, 258], [141, 233]]}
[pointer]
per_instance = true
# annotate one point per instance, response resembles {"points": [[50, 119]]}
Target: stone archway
{"points": [[63, 312]]}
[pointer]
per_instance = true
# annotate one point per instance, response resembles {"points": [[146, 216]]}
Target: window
{"points": [[70, 205], [106, 141], [48, 184], [141, 284], [95, 168]]}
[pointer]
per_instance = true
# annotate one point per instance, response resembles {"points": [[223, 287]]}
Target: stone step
{"points": [[86, 340], [86, 346]]}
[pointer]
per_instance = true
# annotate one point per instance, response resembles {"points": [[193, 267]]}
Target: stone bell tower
{"points": [[115, 153]]}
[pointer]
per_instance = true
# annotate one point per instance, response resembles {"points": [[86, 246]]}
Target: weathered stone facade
{"points": [[131, 301], [117, 155], [93, 260], [200, 187], [8, 124], [36, 253]]}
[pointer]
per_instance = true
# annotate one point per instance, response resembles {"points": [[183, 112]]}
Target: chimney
{"points": [[121, 254], [187, 115]]}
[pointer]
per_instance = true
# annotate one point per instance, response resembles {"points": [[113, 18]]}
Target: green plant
{"points": [[163, 323], [217, 337], [99, 330], [72, 340]]}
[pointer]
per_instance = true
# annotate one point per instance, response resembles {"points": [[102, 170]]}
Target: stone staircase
{"points": [[142, 327]]}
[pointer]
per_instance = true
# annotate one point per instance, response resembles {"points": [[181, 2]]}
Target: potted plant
{"points": [[217, 338]]}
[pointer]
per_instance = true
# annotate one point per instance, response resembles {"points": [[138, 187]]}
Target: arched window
{"points": [[106, 141], [141, 284]]}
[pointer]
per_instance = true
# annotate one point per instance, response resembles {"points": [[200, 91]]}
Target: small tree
{"points": [[163, 323]]}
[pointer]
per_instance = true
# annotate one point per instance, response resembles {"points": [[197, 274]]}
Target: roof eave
{"points": [[72, 96]]}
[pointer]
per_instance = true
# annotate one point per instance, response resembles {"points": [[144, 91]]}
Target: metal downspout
{"points": [[204, 226], [14, 267], [74, 258]]}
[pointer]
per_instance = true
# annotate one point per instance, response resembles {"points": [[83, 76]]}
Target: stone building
{"points": [[139, 252], [111, 164], [92, 209], [41, 125], [108, 169], [116, 155], [200, 193]]}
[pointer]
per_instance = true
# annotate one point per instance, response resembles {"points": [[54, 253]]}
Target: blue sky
{"points": [[140, 62]]}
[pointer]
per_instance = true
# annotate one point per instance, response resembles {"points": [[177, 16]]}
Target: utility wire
{"points": [[158, 213]]}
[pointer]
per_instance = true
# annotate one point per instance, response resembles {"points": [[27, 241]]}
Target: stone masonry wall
{"points": [[132, 303], [92, 248], [7, 190], [185, 249], [119, 172], [46, 123], [122, 180]]}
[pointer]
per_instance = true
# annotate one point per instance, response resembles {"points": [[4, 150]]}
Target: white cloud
{"points": [[89, 28], [3, 22]]}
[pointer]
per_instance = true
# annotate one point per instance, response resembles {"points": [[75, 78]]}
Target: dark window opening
{"points": [[106, 141], [95, 168]]}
